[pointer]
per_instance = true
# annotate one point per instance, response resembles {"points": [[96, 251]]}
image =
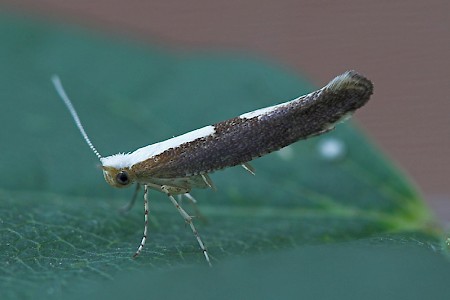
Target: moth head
{"points": [[118, 177]]}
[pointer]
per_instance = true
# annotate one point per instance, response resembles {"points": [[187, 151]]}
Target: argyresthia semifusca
{"points": [[179, 164]]}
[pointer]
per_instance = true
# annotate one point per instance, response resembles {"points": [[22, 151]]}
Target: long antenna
{"points": [[60, 90]]}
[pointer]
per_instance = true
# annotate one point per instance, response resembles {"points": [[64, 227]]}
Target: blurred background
{"points": [[402, 46]]}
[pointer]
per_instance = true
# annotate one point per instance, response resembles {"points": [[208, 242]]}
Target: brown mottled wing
{"points": [[241, 139]]}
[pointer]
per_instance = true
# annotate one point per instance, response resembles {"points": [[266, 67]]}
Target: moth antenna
{"points": [[62, 94]]}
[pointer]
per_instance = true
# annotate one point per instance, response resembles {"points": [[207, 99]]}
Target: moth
{"points": [[180, 164]]}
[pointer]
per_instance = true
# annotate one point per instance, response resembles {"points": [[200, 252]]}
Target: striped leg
{"points": [[146, 211], [188, 219]]}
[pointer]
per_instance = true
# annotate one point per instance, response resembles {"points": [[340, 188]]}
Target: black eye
{"points": [[122, 178]]}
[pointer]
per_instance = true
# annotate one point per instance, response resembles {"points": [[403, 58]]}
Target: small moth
{"points": [[180, 164]]}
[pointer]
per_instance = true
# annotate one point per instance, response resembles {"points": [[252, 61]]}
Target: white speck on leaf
{"points": [[331, 148]]}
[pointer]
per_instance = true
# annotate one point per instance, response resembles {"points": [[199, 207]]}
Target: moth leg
{"points": [[190, 199], [208, 181], [146, 212], [249, 168], [180, 199], [193, 202], [188, 220], [127, 207]]}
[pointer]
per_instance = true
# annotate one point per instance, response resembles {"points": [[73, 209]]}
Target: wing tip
{"points": [[351, 80]]}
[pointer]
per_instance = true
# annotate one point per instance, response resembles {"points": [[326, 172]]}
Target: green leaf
{"points": [[60, 227]]}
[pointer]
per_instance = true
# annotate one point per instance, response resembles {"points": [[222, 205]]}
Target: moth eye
{"points": [[122, 178]]}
